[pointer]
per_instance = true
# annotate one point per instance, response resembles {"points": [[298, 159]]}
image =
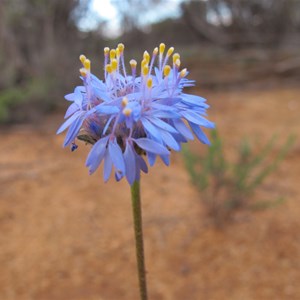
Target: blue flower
{"points": [[127, 116]]}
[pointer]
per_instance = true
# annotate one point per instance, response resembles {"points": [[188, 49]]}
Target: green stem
{"points": [[139, 243]]}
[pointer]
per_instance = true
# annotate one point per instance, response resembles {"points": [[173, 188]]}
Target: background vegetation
{"points": [[67, 235], [41, 40]]}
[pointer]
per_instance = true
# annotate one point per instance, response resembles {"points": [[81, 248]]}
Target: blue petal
{"points": [[142, 164], [165, 159], [151, 129], [71, 110], [194, 100], [107, 110], [101, 94], [96, 82], [180, 138], [163, 107], [70, 97], [67, 123], [163, 125], [118, 176], [130, 163], [168, 101], [151, 158], [158, 73], [107, 124], [170, 141], [183, 129], [116, 156], [73, 131], [80, 89], [136, 112], [197, 119], [151, 146], [96, 155], [129, 122], [133, 96], [200, 134], [165, 114], [76, 96], [107, 166]]}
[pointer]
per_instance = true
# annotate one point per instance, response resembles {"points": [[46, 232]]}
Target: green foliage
{"points": [[227, 186], [34, 92], [8, 98]]}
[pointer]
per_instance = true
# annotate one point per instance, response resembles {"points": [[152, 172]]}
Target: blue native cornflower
{"points": [[126, 116]]}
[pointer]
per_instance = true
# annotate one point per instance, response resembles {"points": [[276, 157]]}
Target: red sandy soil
{"points": [[67, 235]]}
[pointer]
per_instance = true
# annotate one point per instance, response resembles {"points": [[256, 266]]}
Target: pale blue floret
{"points": [[127, 116]]}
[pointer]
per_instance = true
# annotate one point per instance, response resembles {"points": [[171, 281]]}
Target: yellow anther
{"points": [[114, 64], [106, 50], [149, 83], [112, 54], [124, 101], [162, 47], [82, 58], [127, 112], [83, 72], [175, 57], [108, 69], [146, 56], [121, 47], [118, 53], [170, 51], [183, 73], [133, 63], [167, 70], [155, 51], [144, 63], [177, 63], [145, 70], [87, 64]]}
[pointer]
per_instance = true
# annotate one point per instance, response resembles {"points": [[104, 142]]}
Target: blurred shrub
{"points": [[226, 187], [18, 103], [39, 45], [240, 24]]}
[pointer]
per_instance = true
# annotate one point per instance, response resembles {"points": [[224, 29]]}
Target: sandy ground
{"points": [[67, 235]]}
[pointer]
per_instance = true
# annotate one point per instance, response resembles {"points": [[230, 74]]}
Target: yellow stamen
{"points": [[167, 70], [155, 51], [183, 73], [144, 63], [108, 69], [170, 51], [106, 50], [118, 52], [112, 54], [127, 112], [82, 58], [162, 47], [177, 63], [121, 47], [175, 57], [83, 72], [124, 101], [149, 83], [146, 57], [87, 64], [145, 70], [133, 63], [114, 64]]}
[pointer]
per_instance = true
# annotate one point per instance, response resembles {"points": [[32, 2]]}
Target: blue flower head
{"points": [[130, 114]]}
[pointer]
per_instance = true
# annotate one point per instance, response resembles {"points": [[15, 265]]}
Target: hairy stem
{"points": [[139, 242]]}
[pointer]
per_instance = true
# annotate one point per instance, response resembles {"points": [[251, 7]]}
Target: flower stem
{"points": [[139, 242]]}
